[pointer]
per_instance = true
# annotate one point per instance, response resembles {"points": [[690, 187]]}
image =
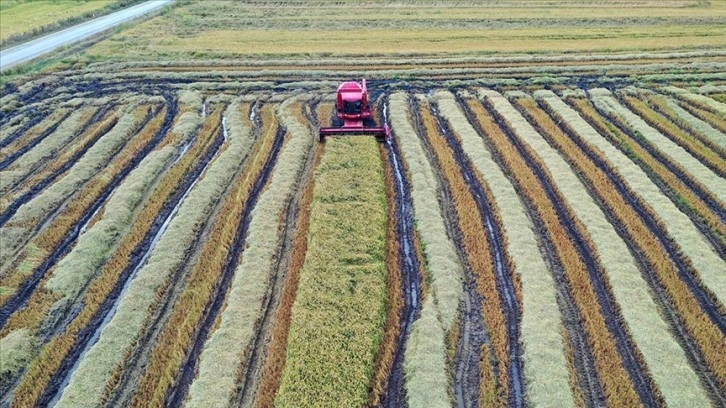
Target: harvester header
{"points": [[353, 114]]}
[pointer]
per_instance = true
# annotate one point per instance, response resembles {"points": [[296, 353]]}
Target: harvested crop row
{"points": [[712, 119], [697, 149], [207, 276], [98, 371], [118, 266], [34, 135], [476, 244], [45, 149], [678, 187], [698, 250], [29, 216], [701, 101], [73, 271], [617, 386], [545, 367], [603, 99], [85, 259], [225, 350], [37, 181], [39, 250], [339, 308], [275, 360], [615, 286], [660, 350], [427, 377], [695, 127]]}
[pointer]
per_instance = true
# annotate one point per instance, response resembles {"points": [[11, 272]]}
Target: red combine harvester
{"points": [[354, 114]]}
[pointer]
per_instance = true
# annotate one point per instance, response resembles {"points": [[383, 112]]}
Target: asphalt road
{"points": [[35, 48]]}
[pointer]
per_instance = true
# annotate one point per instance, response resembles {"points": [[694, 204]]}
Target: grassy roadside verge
{"points": [[26, 20]]}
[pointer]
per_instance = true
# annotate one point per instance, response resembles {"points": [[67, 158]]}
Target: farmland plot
{"points": [[174, 236]]}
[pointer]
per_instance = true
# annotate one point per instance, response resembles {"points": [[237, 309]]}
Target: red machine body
{"points": [[354, 114]]}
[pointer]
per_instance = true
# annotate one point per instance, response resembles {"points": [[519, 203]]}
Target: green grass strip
{"points": [[339, 311]]}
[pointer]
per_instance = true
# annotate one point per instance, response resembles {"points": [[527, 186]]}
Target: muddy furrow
{"points": [[34, 189], [584, 361], [504, 275], [472, 334], [705, 299], [36, 115], [608, 307], [716, 206], [135, 364], [395, 395], [176, 394], [40, 186], [90, 334], [710, 307], [20, 297], [45, 133], [258, 347], [97, 118]]}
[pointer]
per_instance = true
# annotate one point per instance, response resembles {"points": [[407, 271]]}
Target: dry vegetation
{"points": [[173, 235]]}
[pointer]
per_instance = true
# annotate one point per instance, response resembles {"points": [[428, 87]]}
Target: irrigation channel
{"points": [[395, 395], [626, 349], [19, 299]]}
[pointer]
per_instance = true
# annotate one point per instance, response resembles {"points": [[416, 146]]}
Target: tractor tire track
{"points": [[711, 202], [33, 142], [410, 267], [609, 309], [504, 275], [584, 360], [472, 329], [673, 318], [40, 186], [176, 394], [23, 293], [258, 348], [135, 364], [36, 116]]}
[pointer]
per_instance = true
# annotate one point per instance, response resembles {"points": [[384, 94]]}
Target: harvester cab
{"points": [[354, 114]]}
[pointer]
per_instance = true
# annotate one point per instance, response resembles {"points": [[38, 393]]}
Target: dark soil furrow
{"points": [[176, 394], [125, 386], [473, 333], [23, 293], [35, 115], [608, 306], [40, 186], [258, 347], [45, 133], [584, 361], [673, 318], [713, 204], [409, 264], [504, 275]]}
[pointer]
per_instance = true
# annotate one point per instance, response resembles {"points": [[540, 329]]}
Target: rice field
{"points": [[541, 229]]}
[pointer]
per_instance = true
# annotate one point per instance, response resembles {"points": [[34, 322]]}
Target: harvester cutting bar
{"points": [[381, 133]]}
